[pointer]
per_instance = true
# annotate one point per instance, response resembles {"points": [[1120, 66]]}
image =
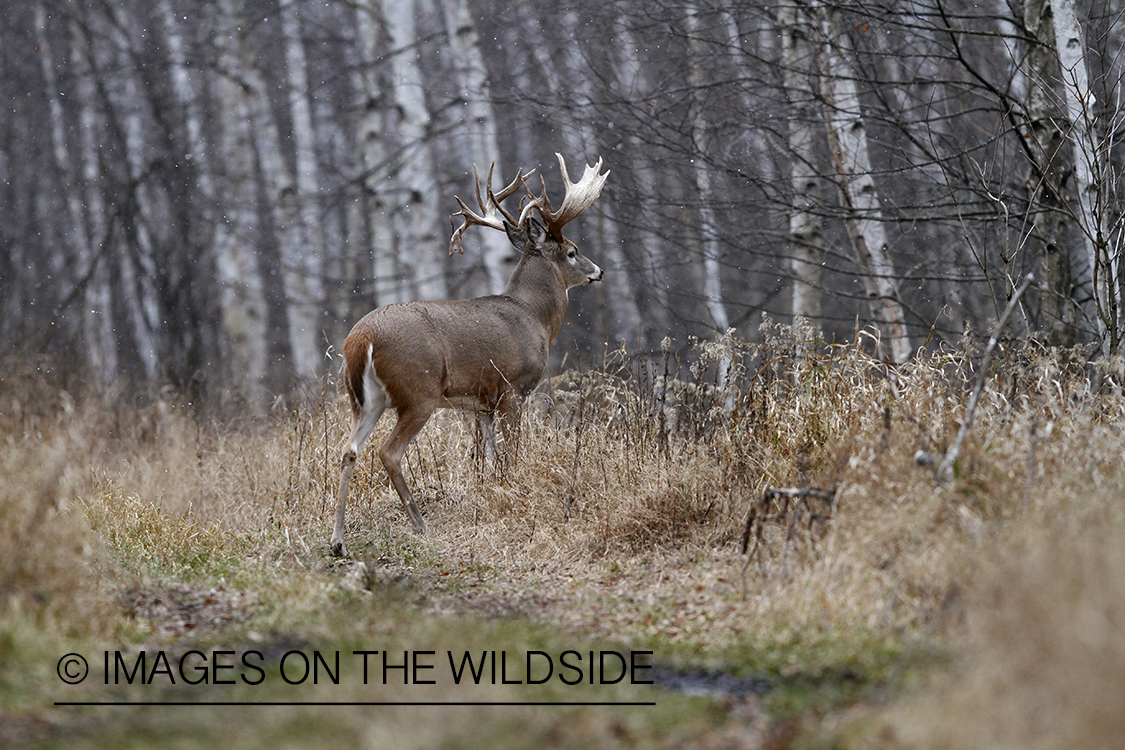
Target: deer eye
{"points": [[571, 254]]}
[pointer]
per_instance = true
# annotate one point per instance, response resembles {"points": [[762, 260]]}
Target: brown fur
{"points": [[484, 354]]}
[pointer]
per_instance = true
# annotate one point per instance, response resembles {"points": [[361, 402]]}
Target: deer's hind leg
{"points": [[366, 417]]}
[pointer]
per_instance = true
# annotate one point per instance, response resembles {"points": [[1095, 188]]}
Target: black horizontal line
{"points": [[355, 703]]}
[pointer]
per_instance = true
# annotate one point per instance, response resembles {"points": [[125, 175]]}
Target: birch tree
{"points": [[634, 85], [373, 147], [479, 142], [847, 139], [708, 227], [624, 322], [280, 247], [1093, 177], [86, 211], [241, 299], [416, 215], [1048, 236], [806, 241], [305, 265], [133, 295], [81, 250]]}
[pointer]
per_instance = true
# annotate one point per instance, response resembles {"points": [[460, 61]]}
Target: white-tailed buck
{"points": [[484, 354]]}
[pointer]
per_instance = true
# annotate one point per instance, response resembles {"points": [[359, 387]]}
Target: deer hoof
{"points": [[338, 549]]}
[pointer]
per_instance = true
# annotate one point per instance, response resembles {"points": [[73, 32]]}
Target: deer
{"points": [[483, 355]]}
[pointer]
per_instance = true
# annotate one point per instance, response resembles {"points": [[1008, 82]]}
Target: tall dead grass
{"points": [[45, 548], [622, 504], [1043, 660]]}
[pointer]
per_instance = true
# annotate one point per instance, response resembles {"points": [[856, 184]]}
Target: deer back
{"points": [[470, 353]]}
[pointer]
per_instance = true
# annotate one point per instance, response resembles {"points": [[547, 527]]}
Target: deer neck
{"points": [[537, 284]]}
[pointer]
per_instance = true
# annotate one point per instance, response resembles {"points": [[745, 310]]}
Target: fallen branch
{"points": [[759, 511]]}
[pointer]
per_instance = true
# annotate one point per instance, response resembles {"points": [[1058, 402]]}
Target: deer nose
{"points": [[596, 276]]}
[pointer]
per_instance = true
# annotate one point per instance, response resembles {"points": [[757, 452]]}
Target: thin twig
{"points": [[945, 470]]}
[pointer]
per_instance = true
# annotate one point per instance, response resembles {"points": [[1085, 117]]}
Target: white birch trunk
{"points": [[302, 321], [758, 148], [373, 148], [708, 228], [85, 208], [625, 317], [479, 142], [97, 320], [1048, 238], [634, 87], [139, 296], [82, 253], [1091, 171], [240, 302], [847, 137], [310, 261], [417, 218], [806, 241]]}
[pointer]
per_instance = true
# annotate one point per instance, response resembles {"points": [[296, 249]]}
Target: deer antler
{"points": [[489, 206], [578, 197]]}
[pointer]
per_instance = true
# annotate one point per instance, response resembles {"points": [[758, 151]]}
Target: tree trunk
{"points": [[1093, 176], [1048, 238], [99, 334], [847, 140], [654, 283], [623, 323], [80, 253], [373, 148], [806, 241], [251, 142], [310, 260], [132, 292], [416, 215], [240, 298], [708, 227], [478, 142]]}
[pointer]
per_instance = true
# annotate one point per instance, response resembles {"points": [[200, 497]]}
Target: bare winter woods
{"points": [[207, 194]]}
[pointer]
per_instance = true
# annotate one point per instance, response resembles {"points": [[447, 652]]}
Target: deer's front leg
{"points": [[486, 423]]}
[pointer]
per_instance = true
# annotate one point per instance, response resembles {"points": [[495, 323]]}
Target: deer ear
{"points": [[516, 235], [536, 233]]}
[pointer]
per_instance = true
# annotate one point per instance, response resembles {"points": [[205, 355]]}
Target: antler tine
{"points": [[506, 192], [578, 196], [582, 194], [514, 185], [487, 216], [476, 186], [525, 210]]}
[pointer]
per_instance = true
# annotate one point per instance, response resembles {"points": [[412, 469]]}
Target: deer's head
{"points": [[530, 236], [533, 240]]}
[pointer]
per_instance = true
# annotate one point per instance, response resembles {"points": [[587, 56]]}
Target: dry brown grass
{"points": [[1042, 664], [45, 544], [619, 514]]}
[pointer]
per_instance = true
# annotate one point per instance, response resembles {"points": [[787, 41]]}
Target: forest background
{"points": [[206, 195]]}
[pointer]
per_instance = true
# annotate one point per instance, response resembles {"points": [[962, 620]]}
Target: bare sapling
{"points": [[945, 469], [484, 354]]}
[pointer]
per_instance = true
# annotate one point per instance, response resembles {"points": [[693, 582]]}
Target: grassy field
{"points": [[876, 606]]}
